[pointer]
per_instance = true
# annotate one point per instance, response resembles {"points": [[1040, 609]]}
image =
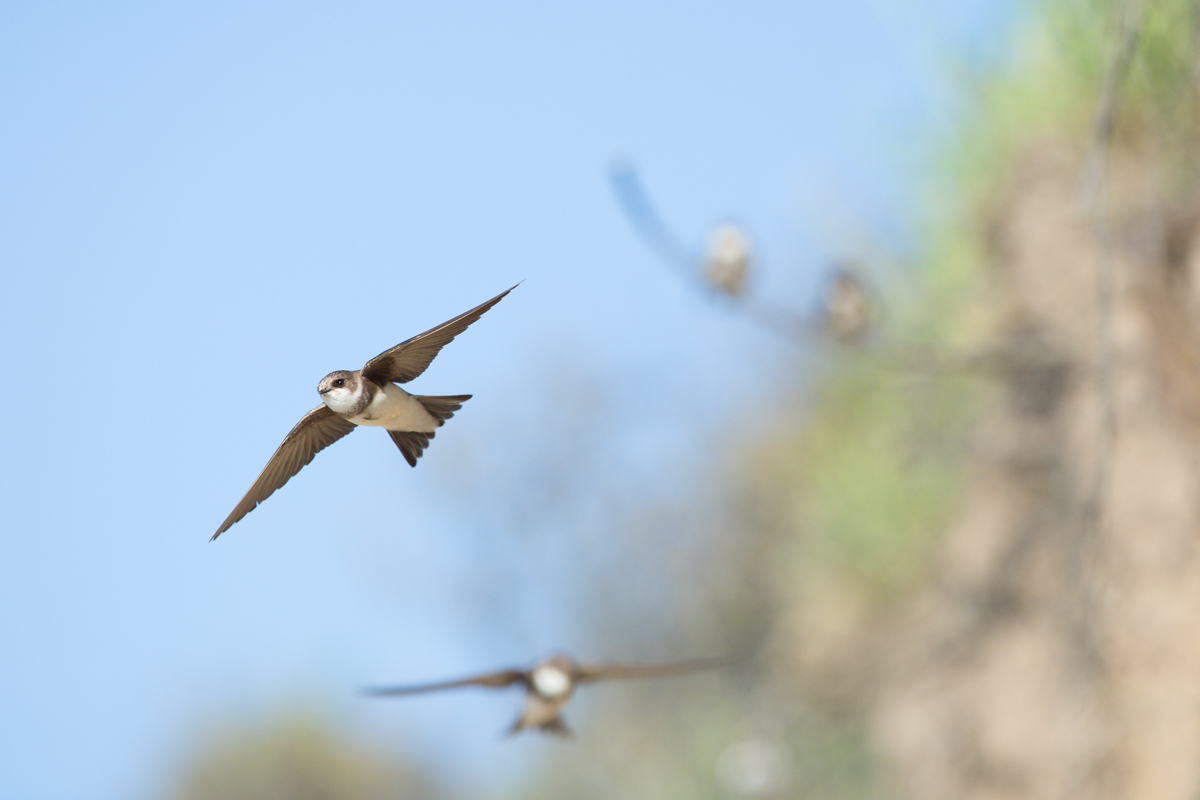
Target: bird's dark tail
{"points": [[555, 726], [413, 443], [442, 408]]}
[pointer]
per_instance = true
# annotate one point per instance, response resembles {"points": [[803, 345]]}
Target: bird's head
{"points": [[340, 390]]}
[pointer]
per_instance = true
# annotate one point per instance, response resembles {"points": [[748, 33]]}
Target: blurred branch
{"points": [[727, 265], [1092, 187], [646, 220], [1093, 199], [848, 311], [1119, 61]]}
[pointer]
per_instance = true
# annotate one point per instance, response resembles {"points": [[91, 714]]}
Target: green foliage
{"points": [[1063, 57], [877, 465]]}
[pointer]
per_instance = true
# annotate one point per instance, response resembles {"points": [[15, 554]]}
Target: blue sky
{"points": [[204, 208]]}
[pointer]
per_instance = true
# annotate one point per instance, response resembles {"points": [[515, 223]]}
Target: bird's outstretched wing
{"points": [[317, 430], [602, 672], [491, 679], [410, 358]]}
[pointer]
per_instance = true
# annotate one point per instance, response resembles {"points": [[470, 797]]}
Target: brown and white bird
{"points": [[846, 308], [368, 396], [728, 259], [549, 685]]}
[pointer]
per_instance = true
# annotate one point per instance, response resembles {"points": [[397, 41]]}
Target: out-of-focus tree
{"points": [[297, 758]]}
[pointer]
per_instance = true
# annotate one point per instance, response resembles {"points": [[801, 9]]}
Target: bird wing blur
{"points": [[317, 430], [597, 672], [491, 679], [410, 358]]}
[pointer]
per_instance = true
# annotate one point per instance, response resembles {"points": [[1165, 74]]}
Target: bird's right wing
{"points": [[319, 429], [491, 679]]}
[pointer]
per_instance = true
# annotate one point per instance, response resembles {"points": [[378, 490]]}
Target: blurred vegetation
{"points": [[297, 757], [799, 552]]}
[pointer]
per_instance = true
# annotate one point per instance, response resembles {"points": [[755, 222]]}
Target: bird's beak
{"points": [[323, 391]]}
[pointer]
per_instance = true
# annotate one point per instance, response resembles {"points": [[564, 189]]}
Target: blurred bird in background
{"points": [[549, 685], [728, 260], [846, 309]]}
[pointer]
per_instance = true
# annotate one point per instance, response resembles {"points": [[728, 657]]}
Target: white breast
{"points": [[395, 409], [551, 682]]}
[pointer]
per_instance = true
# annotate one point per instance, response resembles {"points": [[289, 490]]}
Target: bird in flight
{"points": [[368, 396], [549, 685]]}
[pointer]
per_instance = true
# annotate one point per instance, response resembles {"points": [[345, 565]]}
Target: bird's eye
{"points": [[340, 382]]}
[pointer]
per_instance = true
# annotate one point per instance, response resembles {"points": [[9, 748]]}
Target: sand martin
{"points": [[368, 396], [728, 259], [549, 685], [846, 308]]}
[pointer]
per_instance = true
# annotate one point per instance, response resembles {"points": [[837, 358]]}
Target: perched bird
{"points": [[368, 396], [846, 308], [549, 685], [727, 260]]}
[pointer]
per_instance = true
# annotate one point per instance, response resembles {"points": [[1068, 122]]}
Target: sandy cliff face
{"points": [[1056, 650]]}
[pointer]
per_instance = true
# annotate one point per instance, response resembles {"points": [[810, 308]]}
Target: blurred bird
{"points": [[727, 260], [368, 396], [549, 685], [846, 313]]}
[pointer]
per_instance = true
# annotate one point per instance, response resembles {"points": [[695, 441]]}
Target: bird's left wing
{"points": [[317, 430], [601, 672], [410, 358]]}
